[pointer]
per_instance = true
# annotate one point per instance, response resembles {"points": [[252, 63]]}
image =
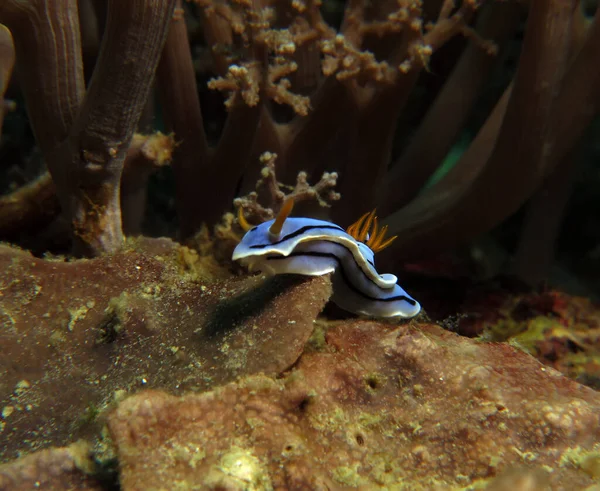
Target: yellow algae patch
{"points": [[239, 468], [79, 314]]}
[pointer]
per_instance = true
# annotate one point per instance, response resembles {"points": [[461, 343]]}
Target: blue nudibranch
{"points": [[315, 247]]}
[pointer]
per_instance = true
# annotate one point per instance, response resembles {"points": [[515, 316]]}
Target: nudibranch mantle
{"points": [[314, 247]]}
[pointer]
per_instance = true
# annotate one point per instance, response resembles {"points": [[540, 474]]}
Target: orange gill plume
{"points": [[366, 229]]}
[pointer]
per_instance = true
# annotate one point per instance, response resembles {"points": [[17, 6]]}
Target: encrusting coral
{"points": [[55, 468], [374, 408], [360, 403], [76, 334], [366, 404], [559, 330]]}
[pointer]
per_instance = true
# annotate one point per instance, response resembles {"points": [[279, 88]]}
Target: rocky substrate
{"points": [[161, 365]]}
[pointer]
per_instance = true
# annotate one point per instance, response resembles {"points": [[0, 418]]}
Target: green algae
{"points": [[586, 460]]}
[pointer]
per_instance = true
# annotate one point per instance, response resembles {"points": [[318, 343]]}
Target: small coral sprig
{"points": [[227, 234], [322, 192], [270, 52]]}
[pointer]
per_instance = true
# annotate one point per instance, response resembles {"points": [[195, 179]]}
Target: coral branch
{"points": [[308, 141], [307, 32], [446, 9], [448, 113], [28, 208], [353, 21], [242, 83], [545, 212], [346, 62], [217, 23], [230, 160], [145, 155], [84, 141], [521, 154], [50, 73], [248, 84], [322, 192], [181, 106], [579, 99], [36, 204], [135, 30], [535, 252], [436, 199], [371, 154]]}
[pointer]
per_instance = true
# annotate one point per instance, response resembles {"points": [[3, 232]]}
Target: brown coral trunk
{"points": [[181, 107], [85, 140], [441, 125], [50, 73]]}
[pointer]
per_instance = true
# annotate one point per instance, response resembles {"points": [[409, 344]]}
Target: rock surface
{"points": [[376, 407], [210, 381], [76, 335], [58, 469]]}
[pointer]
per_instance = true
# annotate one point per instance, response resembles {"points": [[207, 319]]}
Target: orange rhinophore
{"points": [[242, 220], [285, 211]]}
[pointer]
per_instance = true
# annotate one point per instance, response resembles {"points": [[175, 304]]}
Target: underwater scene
{"points": [[299, 245]]}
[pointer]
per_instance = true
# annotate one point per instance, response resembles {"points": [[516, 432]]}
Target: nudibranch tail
{"points": [[366, 229], [242, 220], [286, 209]]}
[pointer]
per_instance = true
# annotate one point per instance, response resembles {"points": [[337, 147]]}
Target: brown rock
{"points": [[409, 407], [76, 334], [58, 469]]}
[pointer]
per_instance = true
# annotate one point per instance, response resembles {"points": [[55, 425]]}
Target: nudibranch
{"points": [[311, 247]]}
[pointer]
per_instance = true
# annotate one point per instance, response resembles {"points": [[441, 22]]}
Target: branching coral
{"points": [[322, 192], [319, 98], [197, 166], [263, 204], [263, 50]]}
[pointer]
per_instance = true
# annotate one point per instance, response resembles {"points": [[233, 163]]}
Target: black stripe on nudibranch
{"points": [[350, 285], [295, 234]]}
